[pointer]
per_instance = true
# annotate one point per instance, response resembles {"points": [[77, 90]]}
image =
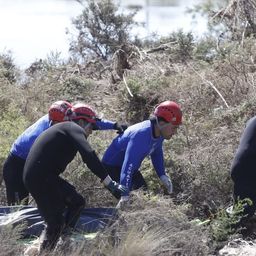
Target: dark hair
{"points": [[153, 119], [77, 120]]}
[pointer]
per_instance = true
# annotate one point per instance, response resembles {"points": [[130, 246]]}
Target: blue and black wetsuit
{"points": [[14, 164], [125, 154], [243, 169]]}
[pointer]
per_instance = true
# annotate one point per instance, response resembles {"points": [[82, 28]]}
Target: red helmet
{"points": [[59, 111], [169, 111], [83, 111]]}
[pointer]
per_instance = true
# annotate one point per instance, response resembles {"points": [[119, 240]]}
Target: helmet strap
{"points": [[159, 127]]}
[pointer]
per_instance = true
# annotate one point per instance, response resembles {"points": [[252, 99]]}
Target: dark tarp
{"points": [[90, 221]]}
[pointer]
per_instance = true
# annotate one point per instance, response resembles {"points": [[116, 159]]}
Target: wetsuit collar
{"points": [[153, 123]]}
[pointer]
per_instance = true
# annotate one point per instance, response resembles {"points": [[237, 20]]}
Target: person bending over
{"points": [[16, 193], [59, 111], [125, 154], [49, 156]]}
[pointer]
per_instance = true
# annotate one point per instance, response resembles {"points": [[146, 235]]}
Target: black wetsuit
{"points": [[243, 169], [53, 150]]}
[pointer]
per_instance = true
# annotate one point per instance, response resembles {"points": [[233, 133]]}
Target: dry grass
{"points": [[198, 159], [9, 238], [153, 226]]}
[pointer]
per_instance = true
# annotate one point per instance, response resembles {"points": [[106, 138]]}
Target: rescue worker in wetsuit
{"points": [[59, 111], [125, 154], [243, 167], [16, 193], [49, 156]]}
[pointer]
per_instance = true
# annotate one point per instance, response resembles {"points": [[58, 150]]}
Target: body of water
{"points": [[32, 29]]}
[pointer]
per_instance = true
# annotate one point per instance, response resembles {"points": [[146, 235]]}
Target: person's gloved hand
{"points": [[120, 127], [123, 202], [167, 183], [116, 189]]}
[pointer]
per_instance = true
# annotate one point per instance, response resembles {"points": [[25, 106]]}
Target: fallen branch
{"points": [[126, 85], [212, 85], [162, 47]]}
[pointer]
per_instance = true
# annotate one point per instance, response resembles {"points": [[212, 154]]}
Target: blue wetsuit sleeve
{"points": [[102, 124], [157, 158], [134, 155], [24, 142]]}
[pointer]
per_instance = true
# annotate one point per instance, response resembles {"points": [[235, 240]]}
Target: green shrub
{"points": [[101, 30], [7, 68], [77, 88], [226, 223], [12, 124]]}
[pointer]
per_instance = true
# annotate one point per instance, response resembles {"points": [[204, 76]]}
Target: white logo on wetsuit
{"points": [[128, 176]]}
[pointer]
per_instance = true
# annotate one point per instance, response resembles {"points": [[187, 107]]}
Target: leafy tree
{"points": [[101, 29], [8, 70], [229, 18]]}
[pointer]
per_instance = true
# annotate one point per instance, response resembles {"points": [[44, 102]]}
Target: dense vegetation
{"points": [[213, 79]]}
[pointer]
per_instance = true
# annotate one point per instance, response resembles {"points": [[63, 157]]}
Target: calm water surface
{"points": [[32, 29]]}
